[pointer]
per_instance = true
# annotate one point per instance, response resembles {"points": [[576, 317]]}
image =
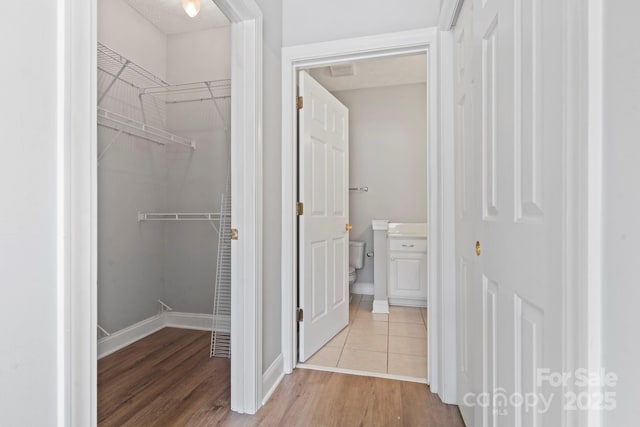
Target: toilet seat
{"points": [[352, 269]]}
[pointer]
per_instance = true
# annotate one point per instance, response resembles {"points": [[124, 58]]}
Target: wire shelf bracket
{"points": [[163, 307], [102, 332]]}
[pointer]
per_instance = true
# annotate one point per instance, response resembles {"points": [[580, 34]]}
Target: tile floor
{"points": [[394, 343]]}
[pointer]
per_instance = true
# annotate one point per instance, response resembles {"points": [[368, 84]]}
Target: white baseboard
{"points": [[408, 302], [272, 377], [129, 335], [380, 306], [362, 288], [198, 321], [146, 327]]}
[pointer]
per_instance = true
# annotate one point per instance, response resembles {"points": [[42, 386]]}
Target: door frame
{"points": [[298, 57], [76, 199]]}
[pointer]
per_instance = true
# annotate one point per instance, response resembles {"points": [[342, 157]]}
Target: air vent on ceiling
{"points": [[342, 70]]}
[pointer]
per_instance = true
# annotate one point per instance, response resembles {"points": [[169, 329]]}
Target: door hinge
{"points": [[299, 102], [299, 208], [234, 234], [299, 314]]}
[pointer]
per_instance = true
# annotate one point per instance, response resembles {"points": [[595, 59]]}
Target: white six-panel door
{"points": [[510, 199], [323, 239]]}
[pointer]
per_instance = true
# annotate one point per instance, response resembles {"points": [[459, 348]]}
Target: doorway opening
{"points": [[81, 204], [376, 168], [164, 211], [339, 52]]}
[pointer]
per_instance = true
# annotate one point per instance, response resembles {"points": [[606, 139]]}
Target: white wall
{"points": [[123, 29], [28, 215], [271, 295], [199, 56], [195, 179], [387, 153], [309, 21], [131, 178], [195, 182], [621, 207]]}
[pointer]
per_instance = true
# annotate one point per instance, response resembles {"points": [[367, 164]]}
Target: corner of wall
{"points": [[272, 377]]}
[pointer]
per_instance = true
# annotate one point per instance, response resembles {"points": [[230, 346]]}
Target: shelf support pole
{"points": [[213, 98], [116, 77], [115, 138]]}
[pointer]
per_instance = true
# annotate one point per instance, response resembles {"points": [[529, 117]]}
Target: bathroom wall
{"points": [[387, 153]]}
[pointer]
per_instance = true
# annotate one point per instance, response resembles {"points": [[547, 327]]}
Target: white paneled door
{"points": [[509, 211], [323, 236]]}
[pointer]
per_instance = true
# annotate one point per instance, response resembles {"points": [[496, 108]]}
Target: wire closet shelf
{"points": [[151, 90]]}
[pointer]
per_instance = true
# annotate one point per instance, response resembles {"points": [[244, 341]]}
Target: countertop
{"points": [[413, 230]]}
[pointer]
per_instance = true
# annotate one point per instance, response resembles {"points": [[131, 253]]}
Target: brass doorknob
{"points": [[478, 249], [348, 227]]}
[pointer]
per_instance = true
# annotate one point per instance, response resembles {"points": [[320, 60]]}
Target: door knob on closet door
{"points": [[348, 227], [478, 248]]}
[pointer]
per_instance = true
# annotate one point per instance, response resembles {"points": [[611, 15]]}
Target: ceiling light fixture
{"points": [[192, 7]]}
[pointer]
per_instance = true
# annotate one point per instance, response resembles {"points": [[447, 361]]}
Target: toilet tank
{"points": [[356, 253]]}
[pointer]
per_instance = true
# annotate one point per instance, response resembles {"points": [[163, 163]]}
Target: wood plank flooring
{"points": [[168, 379]]}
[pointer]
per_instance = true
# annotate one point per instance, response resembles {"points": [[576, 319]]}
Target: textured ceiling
{"points": [[170, 18], [391, 71]]}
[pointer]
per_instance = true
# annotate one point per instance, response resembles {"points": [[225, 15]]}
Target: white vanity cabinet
{"points": [[407, 271], [400, 264], [407, 264]]}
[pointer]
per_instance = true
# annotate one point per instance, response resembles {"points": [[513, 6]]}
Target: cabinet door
{"points": [[407, 275]]}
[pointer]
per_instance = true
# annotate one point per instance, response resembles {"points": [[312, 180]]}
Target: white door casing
{"points": [[441, 368], [509, 125], [324, 240], [77, 166]]}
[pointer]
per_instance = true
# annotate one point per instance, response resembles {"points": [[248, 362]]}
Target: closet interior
{"points": [[164, 205]]}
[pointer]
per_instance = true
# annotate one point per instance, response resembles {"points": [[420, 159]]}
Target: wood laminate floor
{"points": [[168, 379]]}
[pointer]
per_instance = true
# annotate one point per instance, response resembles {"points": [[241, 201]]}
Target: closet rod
{"points": [[174, 216], [197, 100]]}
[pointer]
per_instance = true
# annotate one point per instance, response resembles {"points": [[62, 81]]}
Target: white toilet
{"points": [[356, 259]]}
